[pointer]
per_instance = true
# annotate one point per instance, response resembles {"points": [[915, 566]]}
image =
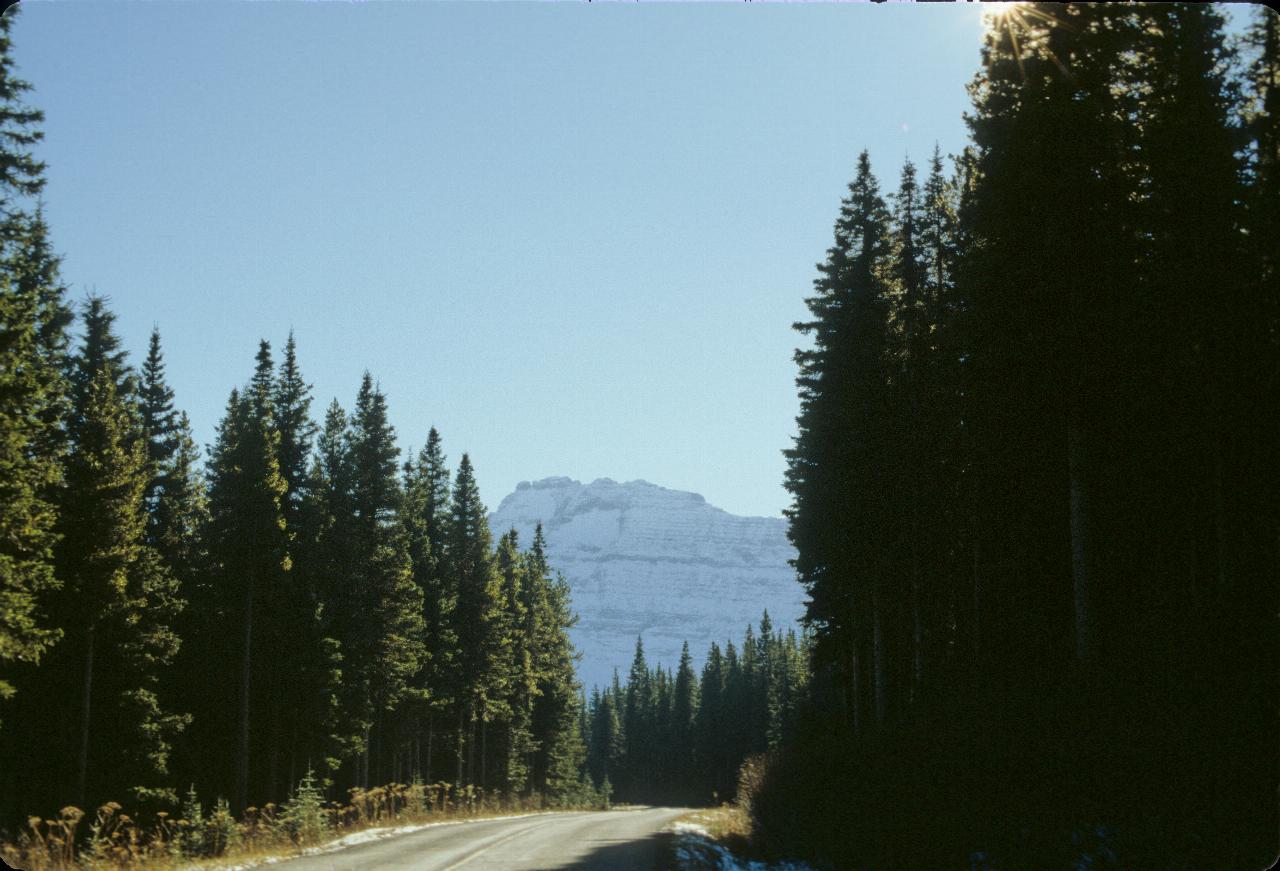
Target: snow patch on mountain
{"points": [[644, 560]]}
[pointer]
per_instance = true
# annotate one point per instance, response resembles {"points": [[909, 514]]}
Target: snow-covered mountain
{"points": [[644, 560]]}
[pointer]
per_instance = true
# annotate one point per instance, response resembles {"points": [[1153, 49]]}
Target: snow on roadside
{"points": [[363, 836], [696, 851]]}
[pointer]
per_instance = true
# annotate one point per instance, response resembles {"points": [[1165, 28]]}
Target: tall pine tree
{"points": [[247, 548]]}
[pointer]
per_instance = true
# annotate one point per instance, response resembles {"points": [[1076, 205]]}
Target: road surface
{"points": [[617, 840]]}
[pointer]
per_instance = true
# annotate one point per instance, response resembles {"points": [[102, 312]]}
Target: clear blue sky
{"points": [[572, 237]]}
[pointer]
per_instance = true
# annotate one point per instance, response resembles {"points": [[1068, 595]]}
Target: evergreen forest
{"points": [[677, 738], [1035, 506], [301, 603], [1035, 478]]}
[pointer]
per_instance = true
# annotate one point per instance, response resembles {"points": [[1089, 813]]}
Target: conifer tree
{"points": [[606, 753], [559, 754], [436, 473], [841, 427], [710, 728], [101, 352], [153, 716], [936, 517], [175, 495], [29, 260], [1042, 318], [21, 174], [247, 544], [165, 574], [517, 661], [102, 690], [324, 548], [1203, 402], [291, 401], [638, 716], [32, 404], [329, 556], [684, 706], [426, 514], [301, 704], [103, 524], [1263, 108], [478, 621], [659, 756], [159, 419], [33, 393], [179, 515], [1205, 309], [383, 645]]}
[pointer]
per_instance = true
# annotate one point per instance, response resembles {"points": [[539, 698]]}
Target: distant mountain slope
{"points": [[642, 559]]}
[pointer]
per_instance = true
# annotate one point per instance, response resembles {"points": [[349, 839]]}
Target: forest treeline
{"points": [[1035, 505], [299, 601], [664, 737], [1035, 478]]}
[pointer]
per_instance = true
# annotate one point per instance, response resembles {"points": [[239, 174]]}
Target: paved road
{"points": [[617, 840]]}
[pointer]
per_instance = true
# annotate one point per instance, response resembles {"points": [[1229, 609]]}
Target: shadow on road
{"points": [[653, 853]]}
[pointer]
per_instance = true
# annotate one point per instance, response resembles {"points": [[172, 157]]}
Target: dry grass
{"points": [[722, 823], [727, 825], [114, 840]]}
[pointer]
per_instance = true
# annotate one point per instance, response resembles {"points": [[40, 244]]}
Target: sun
{"points": [[994, 13]]}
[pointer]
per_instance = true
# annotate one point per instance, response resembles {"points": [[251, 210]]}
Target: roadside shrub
{"points": [[750, 778], [221, 833], [416, 798], [582, 794], [117, 839], [47, 844], [191, 827], [303, 816]]}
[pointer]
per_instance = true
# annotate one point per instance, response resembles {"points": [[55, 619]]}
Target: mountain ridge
{"points": [[645, 560]]}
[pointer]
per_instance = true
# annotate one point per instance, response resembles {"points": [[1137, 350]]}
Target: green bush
{"points": [[303, 816], [221, 832], [416, 803], [191, 833]]}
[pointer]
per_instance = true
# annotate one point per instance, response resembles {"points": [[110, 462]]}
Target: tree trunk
{"points": [[293, 747], [1220, 521], [917, 623], [878, 658], [378, 752], [246, 666], [431, 731], [364, 757], [1193, 562], [273, 765], [857, 688], [82, 768], [471, 748], [458, 781], [917, 640], [417, 751], [1080, 543], [484, 754], [977, 603]]}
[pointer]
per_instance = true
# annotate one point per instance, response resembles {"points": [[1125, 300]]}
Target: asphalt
{"points": [[617, 840]]}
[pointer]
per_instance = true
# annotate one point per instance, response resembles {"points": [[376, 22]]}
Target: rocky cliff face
{"points": [[644, 560]]}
